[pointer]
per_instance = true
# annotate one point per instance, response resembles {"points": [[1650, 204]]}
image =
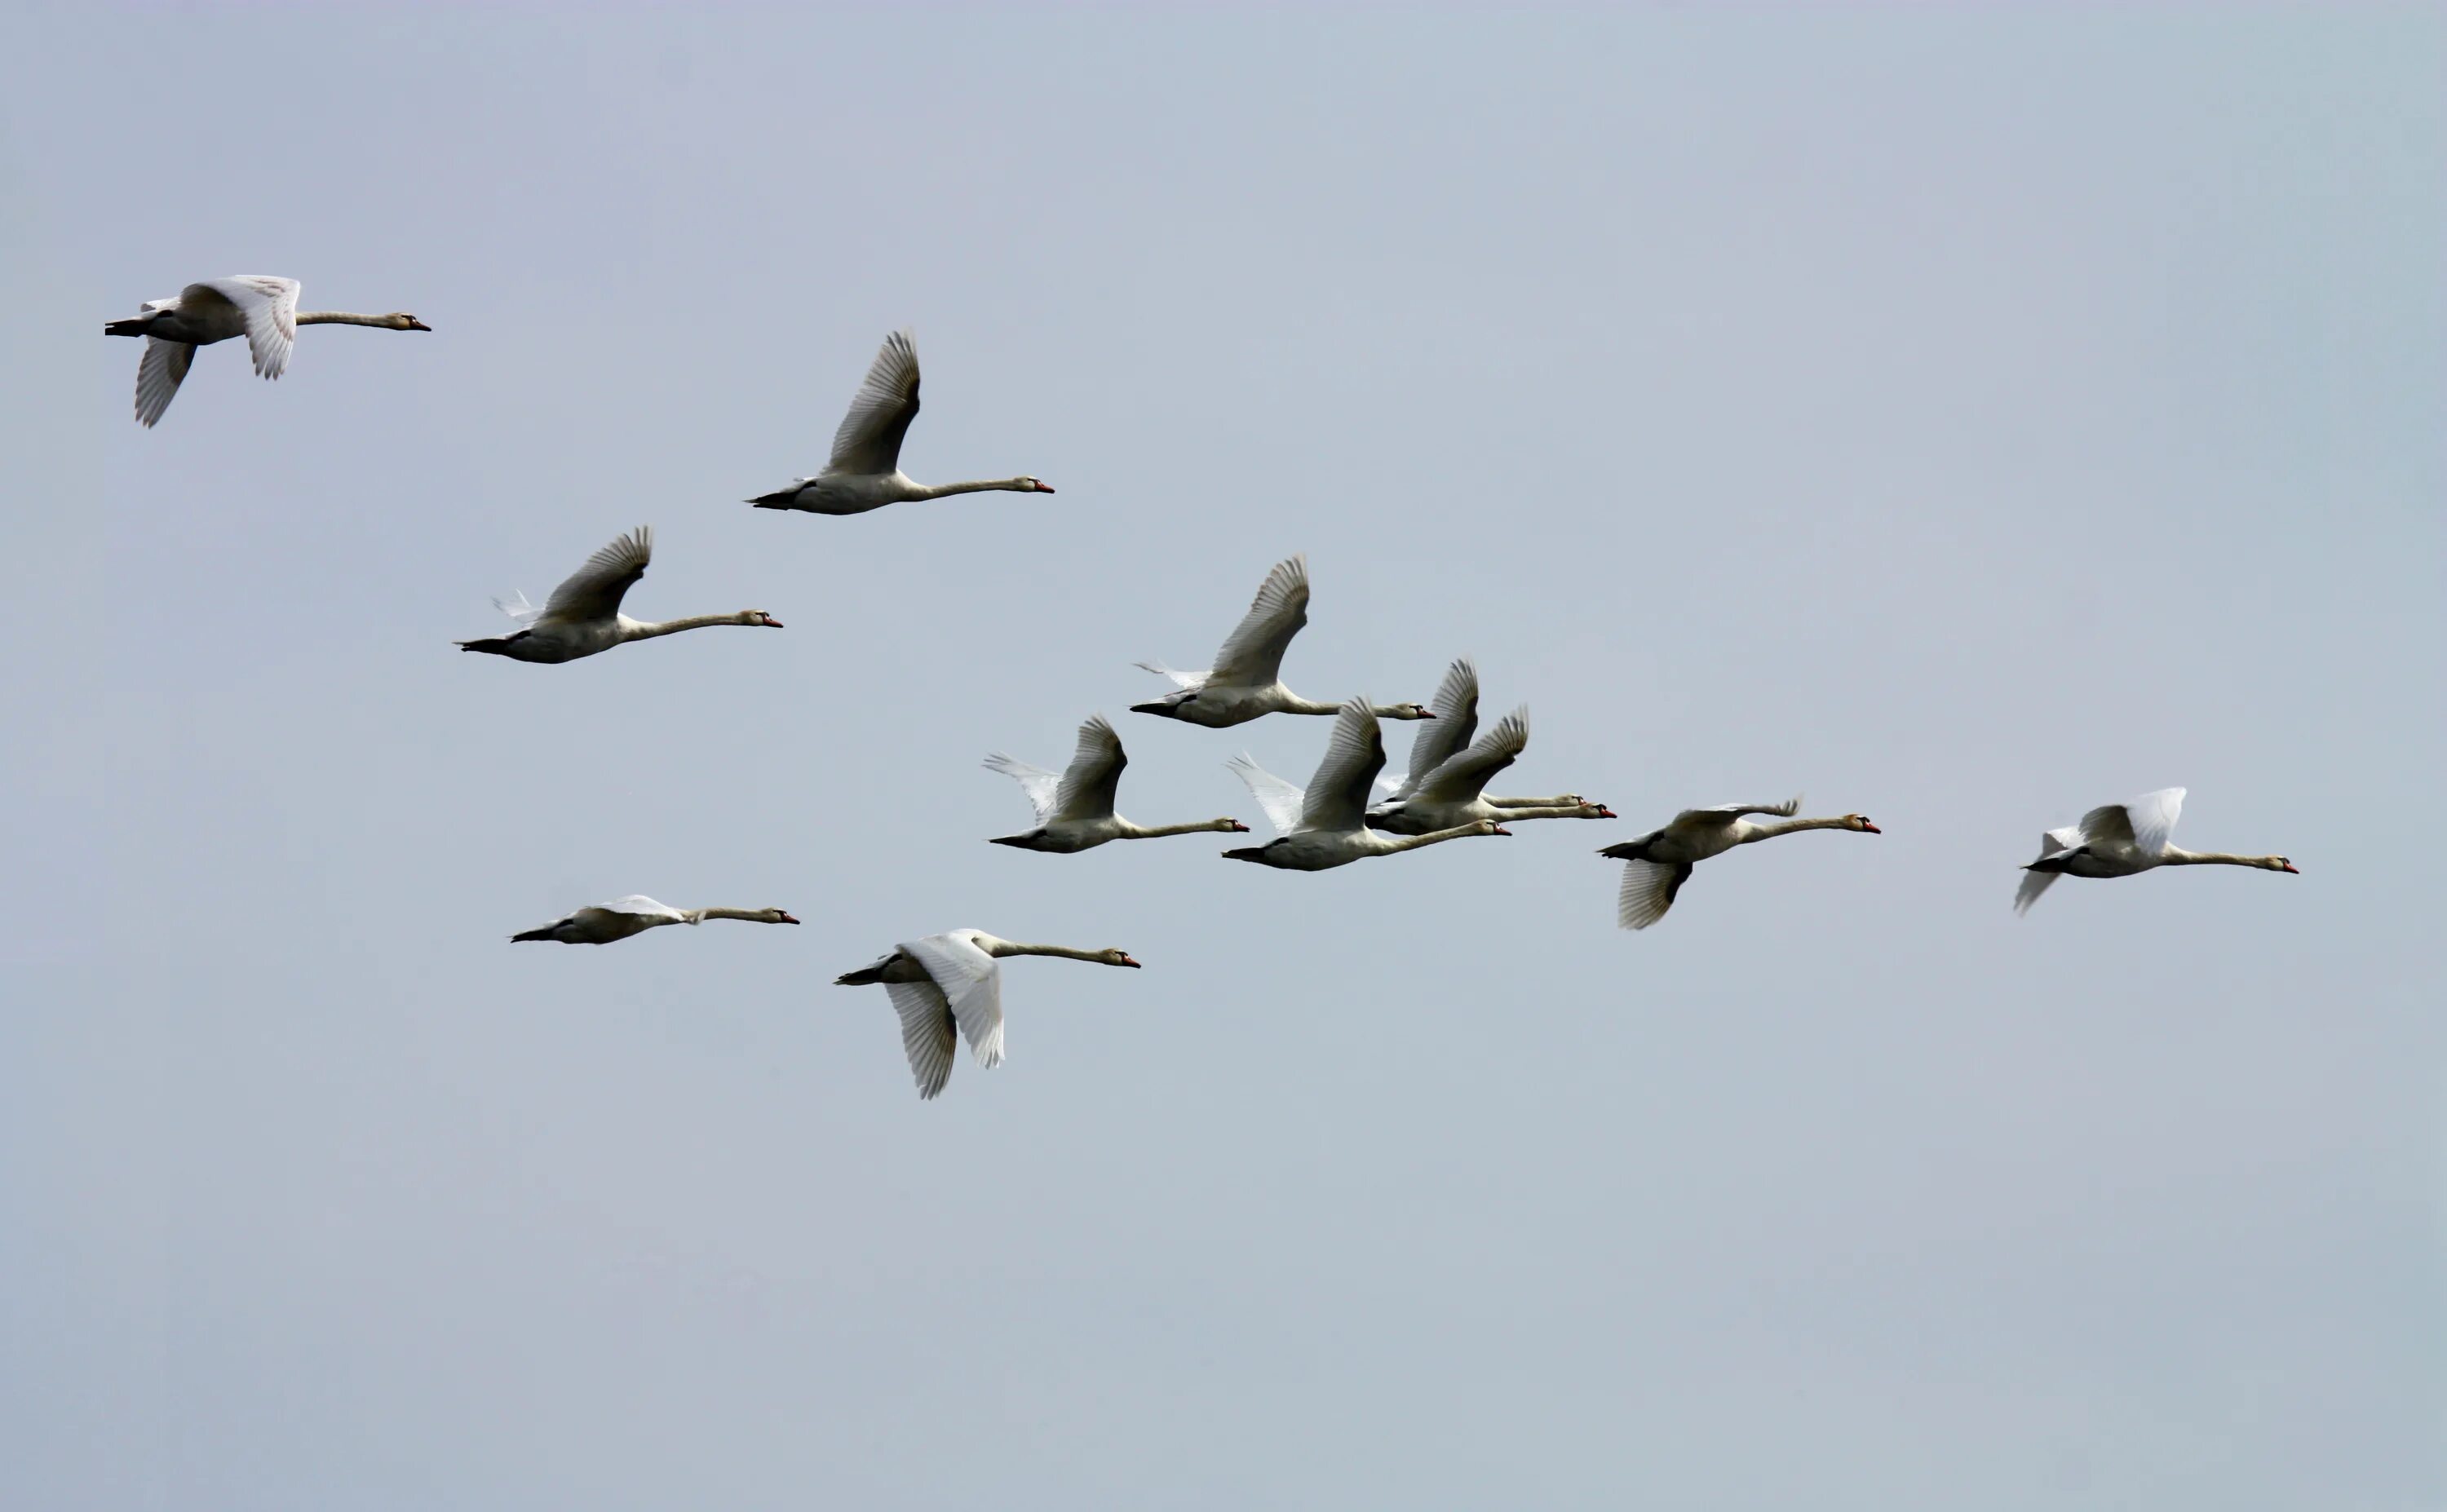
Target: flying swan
{"points": [[1658, 863], [1245, 682], [602, 923], [260, 307], [1075, 811], [952, 979], [583, 616], [1325, 825], [2124, 839]]}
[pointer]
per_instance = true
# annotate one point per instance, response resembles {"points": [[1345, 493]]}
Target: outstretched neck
{"points": [[985, 485], [342, 317], [1204, 826], [649, 629], [752, 916], [1787, 826], [2177, 855], [1295, 704], [1403, 843], [1512, 811], [1006, 947]]}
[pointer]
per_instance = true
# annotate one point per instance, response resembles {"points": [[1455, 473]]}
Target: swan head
{"points": [[1038, 485], [2278, 863], [1230, 826], [400, 320], [1601, 811], [1861, 822], [777, 915], [1489, 827], [1117, 957], [758, 617], [1410, 712]]}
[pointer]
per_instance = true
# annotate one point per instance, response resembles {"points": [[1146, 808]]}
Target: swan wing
{"points": [[2153, 817], [517, 607], [1456, 709], [2034, 883], [1461, 778], [1038, 784], [1177, 677], [970, 981], [639, 904], [1727, 813], [1094, 773], [1648, 889], [269, 307], [595, 591], [159, 373], [869, 437], [1279, 799], [1253, 654], [925, 1032], [1337, 795]]}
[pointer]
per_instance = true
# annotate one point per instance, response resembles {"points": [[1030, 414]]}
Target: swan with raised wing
{"points": [[602, 923], [864, 472], [1325, 825], [1455, 711], [1074, 810], [2125, 839], [953, 980], [260, 307], [1246, 680], [1657, 864], [583, 616]]}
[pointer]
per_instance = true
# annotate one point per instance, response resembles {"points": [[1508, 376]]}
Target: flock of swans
{"points": [[950, 984]]}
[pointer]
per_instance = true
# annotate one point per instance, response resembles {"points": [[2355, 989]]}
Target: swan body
{"points": [[260, 307], [1246, 683], [1075, 810], [1325, 825], [1451, 793], [602, 923], [583, 616], [1454, 710], [1658, 863], [953, 980], [2124, 839], [864, 472]]}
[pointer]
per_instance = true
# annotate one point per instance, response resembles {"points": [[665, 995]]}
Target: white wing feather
{"points": [[870, 435], [1461, 778], [1281, 799], [925, 1032], [1648, 890], [971, 983], [1337, 795], [1094, 774], [1455, 707], [1038, 784], [640, 903], [159, 373], [595, 591], [1253, 654], [2151, 818], [269, 307]]}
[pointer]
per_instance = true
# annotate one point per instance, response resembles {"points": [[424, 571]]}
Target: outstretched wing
{"points": [[925, 1032], [1095, 771], [595, 591], [517, 607], [269, 307], [1177, 677], [1337, 795], [1455, 707], [1036, 782], [1279, 799], [159, 373], [971, 983], [1463, 776], [2151, 818], [1727, 813], [1648, 889], [2034, 883], [640, 903], [1253, 654], [870, 435]]}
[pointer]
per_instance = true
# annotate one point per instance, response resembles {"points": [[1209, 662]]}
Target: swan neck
{"points": [[1007, 947], [649, 629], [753, 916], [1403, 843], [1015, 486], [2177, 855], [337, 317], [1789, 826], [1295, 704], [1202, 826]]}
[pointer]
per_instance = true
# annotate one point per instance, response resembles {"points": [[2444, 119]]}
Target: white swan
{"points": [[953, 978], [1075, 811], [1449, 795], [1659, 863], [260, 307], [1245, 681], [2124, 839], [864, 470], [583, 616], [1325, 825], [602, 923], [1455, 713]]}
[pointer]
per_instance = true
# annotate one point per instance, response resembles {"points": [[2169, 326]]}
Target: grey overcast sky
{"points": [[1964, 416]]}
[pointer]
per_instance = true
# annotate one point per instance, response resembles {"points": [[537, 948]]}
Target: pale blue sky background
{"points": [[1965, 417]]}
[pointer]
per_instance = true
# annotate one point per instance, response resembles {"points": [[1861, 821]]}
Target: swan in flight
{"points": [[583, 616], [1658, 863], [1325, 825], [951, 979], [602, 923], [1245, 681], [1075, 811], [2124, 839], [260, 308], [864, 470], [1454, 710]]}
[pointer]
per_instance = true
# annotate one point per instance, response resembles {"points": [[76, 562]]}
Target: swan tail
{"points": [[543, 933], [780, 498], [864, 976], [498, 646], [133, 326]]}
